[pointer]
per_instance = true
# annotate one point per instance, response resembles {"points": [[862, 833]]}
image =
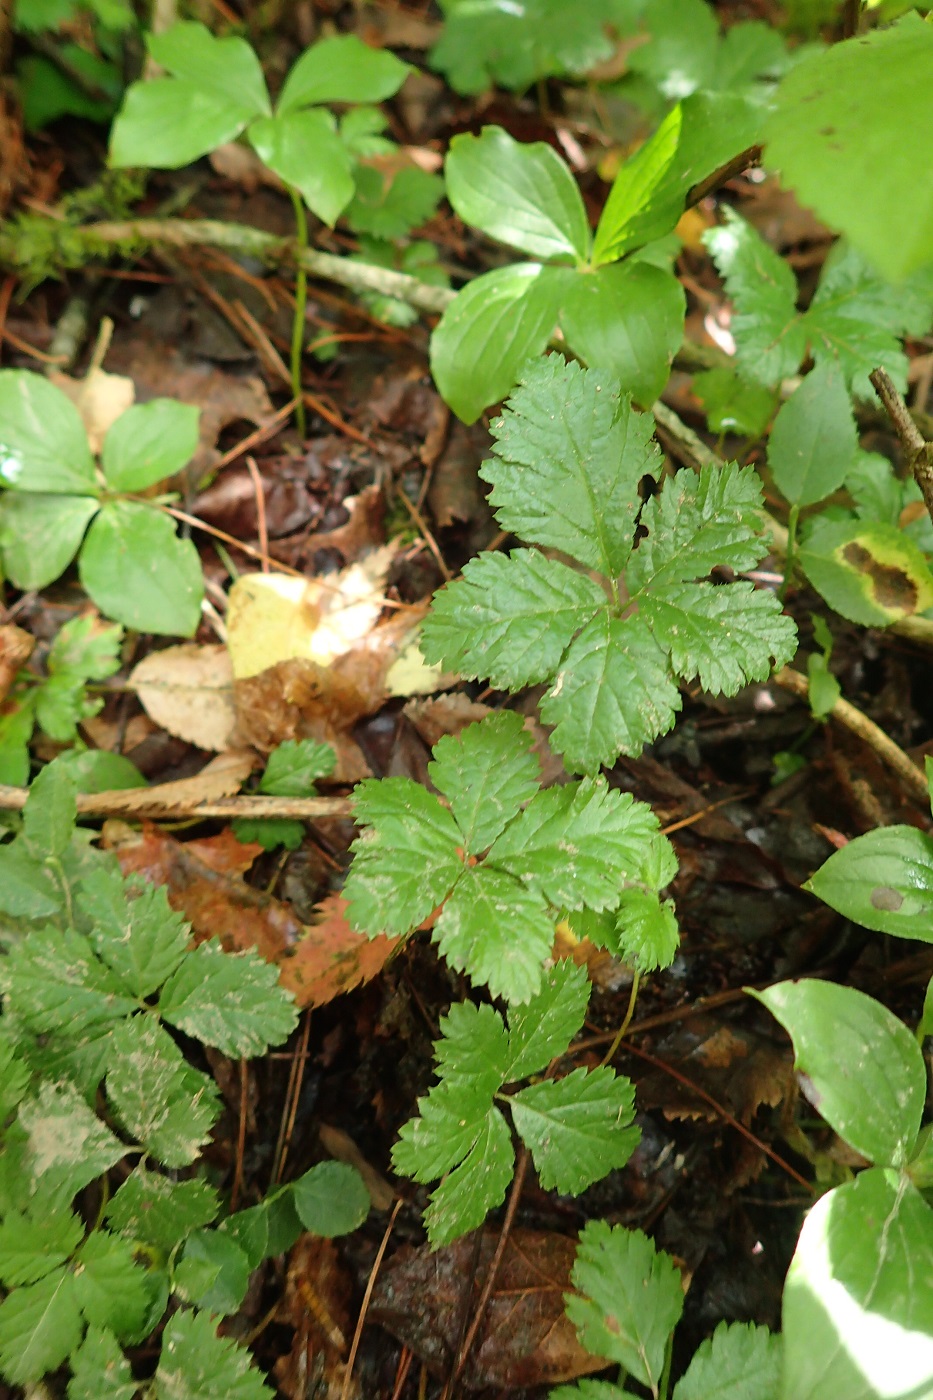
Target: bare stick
{"points": [[918, 452], [150, 802]]}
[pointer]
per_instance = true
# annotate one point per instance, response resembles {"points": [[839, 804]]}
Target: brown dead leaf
{"points": [[241, 166], [526, 1339], [188, 690], [332, 958], [100, 399], [738, 1068], [318, 1291], [444, 714], [16, 647], [339, 1145], [222, 777]]}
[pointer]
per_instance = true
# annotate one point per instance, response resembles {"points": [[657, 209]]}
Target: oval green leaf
{"points": [[140, 573], [883, 880], [858, 1301], [305, 150], [40, 535], [226, 68], [487, 333], [628, 319], [149, 442], [814, 441], [169, 122], [341, 69], [43, 444], [872, 574], [523, 195], [331, 1199], [864, 1070]]}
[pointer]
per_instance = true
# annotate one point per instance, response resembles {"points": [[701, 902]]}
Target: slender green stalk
{"points": [[790, 554], [620, 1033], [301, 302]]}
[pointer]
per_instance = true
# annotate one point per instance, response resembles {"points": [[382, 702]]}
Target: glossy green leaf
{"points": [[293, 768], [303, 148], [138, 571], [486, 773], [863, 1069], [405, 861], [681, 49], [628, 1300], [858, 1308], [232, 1001], [496, 930], [579, 1128], [331, 1199], [41, 534], [96, 770], [195, 1363], [840, 112], [628, 319], [223, 67], [738, 1362], [493, 326], [871, 574], [882, 880], [43, 443], [622, 223], [814, 439], [166, 123], [520, 194], [149, 442], [341, 69]]}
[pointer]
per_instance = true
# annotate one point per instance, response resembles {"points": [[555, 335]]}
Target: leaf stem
{"points": [[620, 1033], [301, 302], [790, 557]]}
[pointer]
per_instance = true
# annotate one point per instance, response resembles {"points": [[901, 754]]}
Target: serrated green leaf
{"points": [[497, 931], [864, 1070], [293, 768], [406, 860], [232, 1001], [213, 1272], [882, 880], [50, 813], [99, 1370], [450, 1119], [160, 1212], [631, 1299], [161, 1100], [474, 1188], [734, 404], [41, 534], [43, 444], [578, 1128], [835, 116], [32, 1245], [16, 728], [681, 47], [813, 440], [39, 1326], [725, 634], [196, 1364], [871, 574], [770, 339], [68, 1144], [738, 1362], [574, 845], [140, 572], [28, 890], [55, 983], [110, 1286], [545, 1026], [342, 69], [570, 454], [613, 694], [14, 1078], [250, 1229], [486, 773], [284, 143], [646, 933], [589, 1390], [84, 649], [494, 325], [331, 1199], [269, 832], [391, 213], [510, 618], [697, 523], [136, 933], [627, 319], [522, 194], [148, 443], [473, 1049]]}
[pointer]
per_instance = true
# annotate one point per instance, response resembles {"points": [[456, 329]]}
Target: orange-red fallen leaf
{"points": [[316, 962], [317, 1297], [526, 1339], [332, 958], [15, 650]]}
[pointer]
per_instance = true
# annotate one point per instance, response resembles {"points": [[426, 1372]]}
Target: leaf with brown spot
{"points": [[332, 958]]}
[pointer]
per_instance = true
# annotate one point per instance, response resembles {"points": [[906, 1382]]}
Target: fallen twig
{"points": [[151, 802]]}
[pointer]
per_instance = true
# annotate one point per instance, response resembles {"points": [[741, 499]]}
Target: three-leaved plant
{"points": [[612, 631], [611, 294], [57, 502], [96, 1092]]}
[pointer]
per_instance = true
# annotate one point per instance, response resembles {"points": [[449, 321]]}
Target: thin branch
{"points": [[918, 452], [151, 802]]}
